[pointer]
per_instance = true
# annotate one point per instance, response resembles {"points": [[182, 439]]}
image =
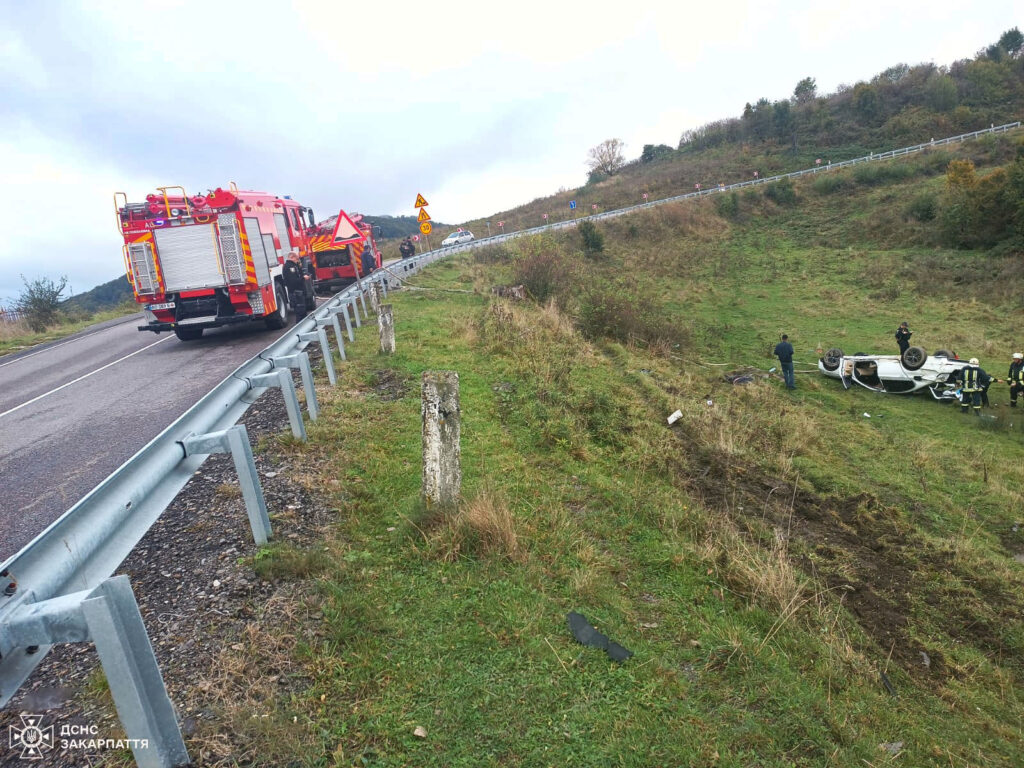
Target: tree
{"points": [[1011, 41], [941, 93], [40, 301], [956, 219], [606, 157], [653, 152], [784, 122], [758, 119], [806, 90]]}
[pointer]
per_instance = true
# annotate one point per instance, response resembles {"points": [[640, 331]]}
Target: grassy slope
{"points": [[766, 560]]}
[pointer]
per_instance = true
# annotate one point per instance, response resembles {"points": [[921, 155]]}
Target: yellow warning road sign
{"points": [[425, 227], [420, 201], [424, 216]]}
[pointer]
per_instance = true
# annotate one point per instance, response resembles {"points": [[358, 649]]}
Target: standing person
{"points": [[406, 249], [784, 351], [903, 335], [1015, 378], [295, 282], [973, 380]]}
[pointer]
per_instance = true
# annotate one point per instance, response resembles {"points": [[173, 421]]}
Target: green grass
{"points": [[767, 559]]}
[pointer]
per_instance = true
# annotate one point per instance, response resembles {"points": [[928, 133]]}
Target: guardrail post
{"points": [[236, 442], [109, 616], [355, 312], [386, 327], [384, 285], [133, 674], [301, 361], [320, 334], [333, 314], [283, 379], [442, 459]]}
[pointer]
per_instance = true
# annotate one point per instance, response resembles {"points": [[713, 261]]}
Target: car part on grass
{"points": [[587, 635]]}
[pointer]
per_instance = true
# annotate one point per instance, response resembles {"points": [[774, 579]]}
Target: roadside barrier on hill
{"points": [[60, 587]]}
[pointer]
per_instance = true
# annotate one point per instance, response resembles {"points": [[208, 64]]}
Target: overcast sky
{"points": [[480, 106]]}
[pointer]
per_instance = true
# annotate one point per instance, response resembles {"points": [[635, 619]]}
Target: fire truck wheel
{"points": [[188, 333], [279, 318]]}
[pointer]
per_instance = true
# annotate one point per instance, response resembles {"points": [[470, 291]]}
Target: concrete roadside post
{"points": [[386, 326], [375, 297], [442, 453]]}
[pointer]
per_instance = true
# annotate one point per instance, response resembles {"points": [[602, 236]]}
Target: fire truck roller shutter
{"points": [[282, 235], [259, 254], [189, 258]]}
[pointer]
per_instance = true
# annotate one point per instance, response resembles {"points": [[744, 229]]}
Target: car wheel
{"points": [[830, 361], [913, 358], [279, 318], [942, 353], [188, 332]]}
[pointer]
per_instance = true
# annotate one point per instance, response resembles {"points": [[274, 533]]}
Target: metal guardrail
{"points": [[58, 588]]}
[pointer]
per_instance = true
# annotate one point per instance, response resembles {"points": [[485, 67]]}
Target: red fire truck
{"points": [[334, 265], [203, 261]]}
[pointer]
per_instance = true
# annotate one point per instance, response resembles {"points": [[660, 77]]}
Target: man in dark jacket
{"points": [[903, 335], [295, 282], [406, 249], [784, 351], [1015, 378]]}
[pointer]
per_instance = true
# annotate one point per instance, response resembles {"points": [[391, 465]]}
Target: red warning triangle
{"points": [[345, 231], [420, 201]]}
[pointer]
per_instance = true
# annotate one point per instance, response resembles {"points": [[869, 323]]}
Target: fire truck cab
{"points": [[215, 259], [336, 265]]}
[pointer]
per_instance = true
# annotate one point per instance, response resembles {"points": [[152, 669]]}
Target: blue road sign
{"points": [[572, 205]]}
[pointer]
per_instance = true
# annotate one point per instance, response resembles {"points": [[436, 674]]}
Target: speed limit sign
{"points": [[425, 227]]}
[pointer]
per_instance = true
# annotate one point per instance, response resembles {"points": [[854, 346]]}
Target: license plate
{"points": [[168, 305]]}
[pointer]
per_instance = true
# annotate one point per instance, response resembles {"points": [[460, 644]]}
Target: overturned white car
{"points": [[897, 374]]}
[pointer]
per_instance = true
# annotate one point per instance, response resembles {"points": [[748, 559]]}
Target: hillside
{"points": [[900, 106], [821, 577]]}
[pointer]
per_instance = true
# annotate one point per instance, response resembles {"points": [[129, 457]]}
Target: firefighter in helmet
{"points": [[974, 380], [1015, 378]]}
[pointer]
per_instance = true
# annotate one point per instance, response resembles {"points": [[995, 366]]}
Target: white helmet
{"points": [[1018, 356], [973, 361]]}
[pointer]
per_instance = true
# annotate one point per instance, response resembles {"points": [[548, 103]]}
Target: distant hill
{"points": [[109, 294], [397, 226]]}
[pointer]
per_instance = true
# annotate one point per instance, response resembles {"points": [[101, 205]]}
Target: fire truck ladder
{"points": [[167, 203]]}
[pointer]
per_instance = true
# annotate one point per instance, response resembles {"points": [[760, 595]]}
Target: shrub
{"points": [[542, 274], [831, 183], [622, 314], [40, 301], [728, 206], [923, 207], [593, 240], [782, 192]]}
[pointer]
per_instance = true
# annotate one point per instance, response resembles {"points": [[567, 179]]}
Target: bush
{"points": [[831, 183], [873, 174], [542, 274], [621, 314], [782, 192], [40, 301], [728, 206], [593, 240], [923, 207]]}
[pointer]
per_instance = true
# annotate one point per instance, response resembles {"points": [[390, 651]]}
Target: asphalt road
{"points": [[73, 411]]}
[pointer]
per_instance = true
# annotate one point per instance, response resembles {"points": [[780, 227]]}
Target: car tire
{"points": [[943, 353], [188, 332], [830, 360], [913, 358], [279, 319]]}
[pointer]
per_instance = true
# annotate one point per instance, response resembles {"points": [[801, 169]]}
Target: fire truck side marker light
{"points": [[85, 376]]}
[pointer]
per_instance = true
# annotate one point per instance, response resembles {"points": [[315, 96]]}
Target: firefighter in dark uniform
{"points": [[406, 249], [903, 335], [973, 381], [1015, 378], [295, 282]]}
